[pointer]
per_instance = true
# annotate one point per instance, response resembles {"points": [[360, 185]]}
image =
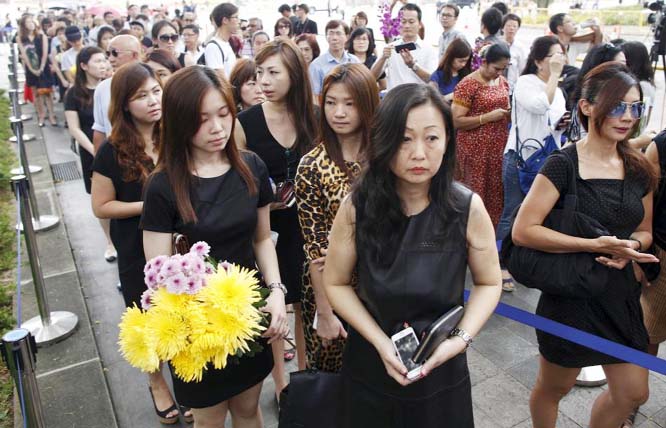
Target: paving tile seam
{"points": [[50, 276], [71, 366]]}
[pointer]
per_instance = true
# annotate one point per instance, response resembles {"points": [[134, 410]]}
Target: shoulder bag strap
{"points": [[571, 197]]}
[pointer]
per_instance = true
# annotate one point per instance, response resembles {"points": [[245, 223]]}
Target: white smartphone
{"points": [[405, 343]]}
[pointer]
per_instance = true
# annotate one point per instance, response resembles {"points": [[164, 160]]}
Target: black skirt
{"points": [[364, 407]]}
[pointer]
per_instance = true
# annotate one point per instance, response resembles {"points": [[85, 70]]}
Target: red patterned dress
{"points": [[480, 150]]}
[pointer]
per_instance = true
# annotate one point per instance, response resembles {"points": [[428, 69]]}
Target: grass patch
{"points": [[7, 257]]}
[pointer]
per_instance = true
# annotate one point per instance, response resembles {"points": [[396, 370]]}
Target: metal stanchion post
{"points": [[49, 327], [17, 126], [39, 222], [14, 80], [18, 351], [16, 109]]}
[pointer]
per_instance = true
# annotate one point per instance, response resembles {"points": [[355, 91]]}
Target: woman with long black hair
{"points": [[90, 70], [410, 233]]}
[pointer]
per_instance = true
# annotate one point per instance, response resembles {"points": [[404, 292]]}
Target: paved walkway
{"points": [[85, 383]]}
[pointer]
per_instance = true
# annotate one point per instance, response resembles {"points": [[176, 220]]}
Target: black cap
{"points": [[72, 33]]}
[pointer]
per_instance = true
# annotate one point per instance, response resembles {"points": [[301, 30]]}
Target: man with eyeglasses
{"points": [[191, 41], [337, 33], [218, 53], [123, 49], [448, 16]]}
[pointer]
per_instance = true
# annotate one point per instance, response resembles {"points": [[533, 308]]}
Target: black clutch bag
{"points": [[436, 333]]}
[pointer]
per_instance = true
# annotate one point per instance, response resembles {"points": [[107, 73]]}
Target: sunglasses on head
{"points": [[620, 109], [166, 37]]}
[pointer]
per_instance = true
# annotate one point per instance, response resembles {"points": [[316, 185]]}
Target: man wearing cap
{"points": [[75, 40], [123, 49]]}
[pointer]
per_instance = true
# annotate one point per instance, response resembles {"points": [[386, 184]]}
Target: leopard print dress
{"points": [[320, 187]]}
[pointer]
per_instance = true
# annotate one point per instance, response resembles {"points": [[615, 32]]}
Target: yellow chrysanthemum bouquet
{"points": [[193, 314]]}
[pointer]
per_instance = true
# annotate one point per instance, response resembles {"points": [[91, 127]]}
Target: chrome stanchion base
{"points": [[63, 324], [34, 169], [45, 222], [26, 138], [591, 376]]}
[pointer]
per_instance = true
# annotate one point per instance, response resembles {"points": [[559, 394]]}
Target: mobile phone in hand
{"points": [[405, 343], [405, 47]]}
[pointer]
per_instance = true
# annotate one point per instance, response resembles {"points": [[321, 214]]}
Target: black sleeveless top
{"points": [[425, 280], [659, 214]]}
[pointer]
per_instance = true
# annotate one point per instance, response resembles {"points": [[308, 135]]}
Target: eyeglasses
{"points": [[166, 37], [620, 109], [446, 15], [114, 52], [284, 26]]}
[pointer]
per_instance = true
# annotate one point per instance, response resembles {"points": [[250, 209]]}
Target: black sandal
{"points": [[162, 414], [184, 409], [629, 422]]}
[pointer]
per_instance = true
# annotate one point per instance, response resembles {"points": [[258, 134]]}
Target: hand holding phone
{"points": [[564, 121], [411, 46], [405, 343]]}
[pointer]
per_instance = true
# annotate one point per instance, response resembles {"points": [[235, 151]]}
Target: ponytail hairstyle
{"points": [[181, 120], [80, 78], [605, 86], [539, 52]]}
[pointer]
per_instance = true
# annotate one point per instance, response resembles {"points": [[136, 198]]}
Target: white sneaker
{"points": [[110, 255]]}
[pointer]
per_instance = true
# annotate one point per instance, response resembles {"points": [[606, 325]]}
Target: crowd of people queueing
{"points": [[365, 214]]}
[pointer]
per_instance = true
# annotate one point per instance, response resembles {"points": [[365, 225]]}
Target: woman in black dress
{"points": [[614, 185], [91, 69], [410, 232], [34, 51], [281, 131], [120, 169], [207, 190]]}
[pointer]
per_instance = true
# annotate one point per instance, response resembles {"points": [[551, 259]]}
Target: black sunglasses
{"points": [[166, 37], [243, 28], [114, 52]]}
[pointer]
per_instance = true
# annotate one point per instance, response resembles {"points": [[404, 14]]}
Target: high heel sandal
{"points": [[184, 409], [162, 414]]}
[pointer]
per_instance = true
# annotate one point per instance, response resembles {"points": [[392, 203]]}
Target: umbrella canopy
{"points": [[56, 5], [100, 9]]}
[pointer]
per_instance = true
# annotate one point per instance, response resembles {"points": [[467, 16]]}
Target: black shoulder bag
{"points": [[573, 275]]}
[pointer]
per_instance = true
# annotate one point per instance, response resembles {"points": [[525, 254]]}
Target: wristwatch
{"points": [[278, 285], [466, 337], [415, 66]]}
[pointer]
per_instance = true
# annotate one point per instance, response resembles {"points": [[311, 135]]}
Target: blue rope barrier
{"points": [[582, 338]]}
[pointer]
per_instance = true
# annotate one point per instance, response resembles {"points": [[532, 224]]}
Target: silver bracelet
{"points": [[279, 286], [466, 337]]}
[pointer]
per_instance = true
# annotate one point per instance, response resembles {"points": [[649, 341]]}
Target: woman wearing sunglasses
{"points": [[166, 37], [614, 186]]}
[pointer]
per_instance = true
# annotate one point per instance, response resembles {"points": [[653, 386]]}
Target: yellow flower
{"points": [[189, 366], [136, 345], [169, 330]]}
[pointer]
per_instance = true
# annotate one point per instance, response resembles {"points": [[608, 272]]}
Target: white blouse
{"points": [[531, 111]]}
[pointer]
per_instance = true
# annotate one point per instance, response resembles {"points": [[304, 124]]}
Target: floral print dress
{"points": [[480, 150]]}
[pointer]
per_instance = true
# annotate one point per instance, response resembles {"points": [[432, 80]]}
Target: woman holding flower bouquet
{"points": [[208, 190], [120, 169]]}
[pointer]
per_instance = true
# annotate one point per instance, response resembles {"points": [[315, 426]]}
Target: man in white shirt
{"points": [[511, 24], [448, 16], [123, 49], [564, 27], [407, 66], [68, 60], [218, 52]]}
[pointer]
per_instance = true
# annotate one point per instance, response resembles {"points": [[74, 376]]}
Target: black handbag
{"points": [[312, 399], [574, 275]]}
